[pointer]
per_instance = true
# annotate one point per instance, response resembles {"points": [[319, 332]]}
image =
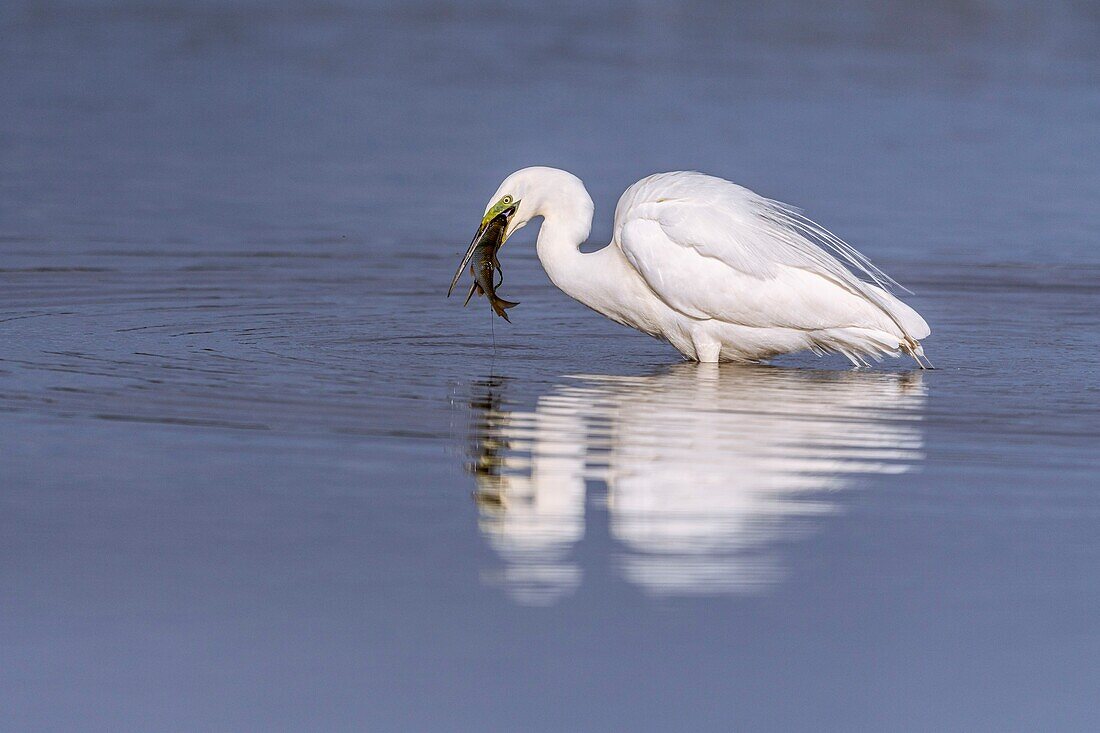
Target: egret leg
{"points": [[707, 348], [913, 348]]}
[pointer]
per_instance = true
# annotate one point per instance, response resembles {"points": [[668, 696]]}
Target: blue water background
{"points": [[258, 474]]}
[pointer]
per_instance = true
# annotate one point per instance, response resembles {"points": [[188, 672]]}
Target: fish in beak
{"points": [[488, 240]]}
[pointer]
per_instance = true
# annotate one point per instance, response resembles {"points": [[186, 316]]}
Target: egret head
{"points": [[536, 191], [505, 205], [525, 195]]}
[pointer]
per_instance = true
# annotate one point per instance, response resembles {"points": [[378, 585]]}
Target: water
{"points": [[257, 473]]}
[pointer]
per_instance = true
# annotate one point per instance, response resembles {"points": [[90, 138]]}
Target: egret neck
{"points": [[596, 279]]}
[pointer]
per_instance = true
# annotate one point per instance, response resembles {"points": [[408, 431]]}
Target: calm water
{"points": [[258, 474]]}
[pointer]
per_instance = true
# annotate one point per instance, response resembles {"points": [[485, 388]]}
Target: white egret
{"points": [[718, 271]]}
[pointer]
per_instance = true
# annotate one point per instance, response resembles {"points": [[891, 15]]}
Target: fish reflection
{"points": [[708, 470]]}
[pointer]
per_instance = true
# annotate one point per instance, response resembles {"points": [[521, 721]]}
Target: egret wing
{"points": [[712, 249]]}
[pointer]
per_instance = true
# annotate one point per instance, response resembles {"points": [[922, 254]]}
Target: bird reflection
{"points": [[708, 470]]}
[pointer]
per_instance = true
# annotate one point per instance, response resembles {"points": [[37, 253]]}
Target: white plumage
{"points": [[721, 273]]}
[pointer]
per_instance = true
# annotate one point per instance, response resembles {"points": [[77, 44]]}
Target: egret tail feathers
{"points": [[859, 345]]}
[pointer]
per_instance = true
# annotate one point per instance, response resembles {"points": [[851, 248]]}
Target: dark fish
{"points": [[484, 265]]}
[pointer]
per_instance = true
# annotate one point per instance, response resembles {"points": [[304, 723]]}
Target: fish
{"points": [[484, 266]]}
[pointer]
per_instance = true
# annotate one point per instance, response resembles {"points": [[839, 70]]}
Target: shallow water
{"points": [[258, 474]]}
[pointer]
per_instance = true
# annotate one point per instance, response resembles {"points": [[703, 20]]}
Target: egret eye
{"points": [[506, 200]]}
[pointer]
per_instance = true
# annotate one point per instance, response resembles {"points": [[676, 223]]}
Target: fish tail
{"points": [[499, 306]]}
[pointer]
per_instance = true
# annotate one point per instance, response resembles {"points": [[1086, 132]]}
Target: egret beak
{"points": [[480, 236]]}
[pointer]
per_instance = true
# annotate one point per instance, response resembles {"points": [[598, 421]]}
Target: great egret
{"points": [[718, 271]]}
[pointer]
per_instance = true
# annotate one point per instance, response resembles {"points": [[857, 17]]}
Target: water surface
{"points": [[258, 474]]}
